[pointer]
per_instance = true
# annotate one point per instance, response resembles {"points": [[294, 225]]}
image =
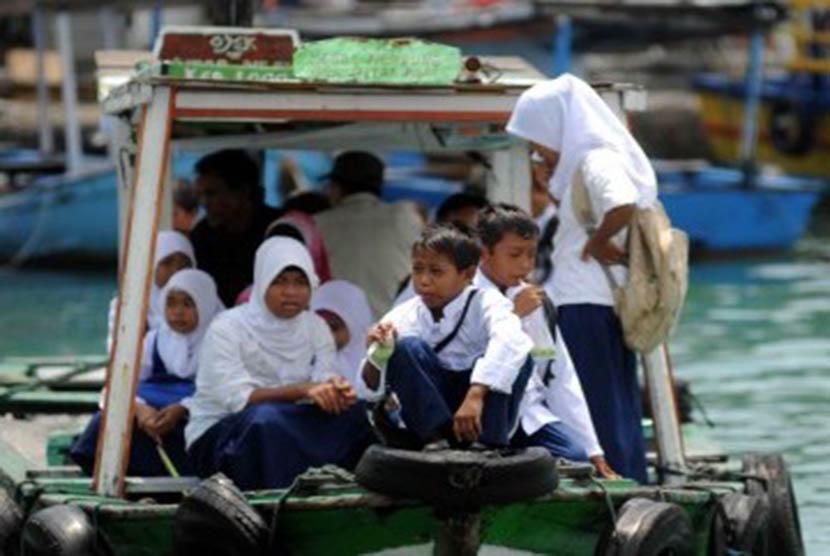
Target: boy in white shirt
{"points": [[461, 361], [554, 414]]}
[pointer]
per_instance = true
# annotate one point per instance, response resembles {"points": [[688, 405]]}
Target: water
{"points": [[753, 341]]}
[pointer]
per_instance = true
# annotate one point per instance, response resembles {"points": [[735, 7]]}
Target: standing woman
{"points": [[583, 142]]}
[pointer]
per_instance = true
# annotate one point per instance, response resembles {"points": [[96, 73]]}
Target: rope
{"points": [[312, 477], [611, 511]]}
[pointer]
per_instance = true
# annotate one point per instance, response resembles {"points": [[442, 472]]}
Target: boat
{"points": [[794, 115], [701, 502]]}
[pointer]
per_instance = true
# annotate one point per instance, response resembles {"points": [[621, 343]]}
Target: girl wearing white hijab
{"points": [[268, 402], [166, 377], [346, 310], [173, 253], [583, 142]]}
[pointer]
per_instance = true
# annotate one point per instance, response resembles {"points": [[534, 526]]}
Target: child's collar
{"points": [[453, 308]]}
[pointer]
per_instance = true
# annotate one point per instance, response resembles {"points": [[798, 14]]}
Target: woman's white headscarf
{"points": [[180, 352], [285, 338], [348, 302], [167, 243], [566, 114]]}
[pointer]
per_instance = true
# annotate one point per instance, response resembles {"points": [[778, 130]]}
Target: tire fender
{"points": [[61, 530], [11, 519], [748, 520], [648, 528], [774, 480], [215, 518]]}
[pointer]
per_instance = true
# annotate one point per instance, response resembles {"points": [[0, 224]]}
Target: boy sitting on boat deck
{"points": [[459, 359], [554, 414]]}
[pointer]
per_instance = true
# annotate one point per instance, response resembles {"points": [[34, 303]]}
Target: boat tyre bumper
{"points": [[11, 518], [648, 528], [768, 474], [61, 530], [215, 518], [747, 523], [458, 479]]}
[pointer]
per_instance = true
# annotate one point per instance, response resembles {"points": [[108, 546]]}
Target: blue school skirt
{"points": [[607, 370], [160, 390], [267, 445]]}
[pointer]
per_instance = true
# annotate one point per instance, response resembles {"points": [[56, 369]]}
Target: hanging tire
{"points": [[215, 518], [648, 528], [784, 523], [717, 535], [748, 518], [11, 518], [61, 530], [455, 479]]}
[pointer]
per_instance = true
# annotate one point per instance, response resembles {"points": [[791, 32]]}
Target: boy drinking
{"points": [[554, 414], [461, 361]]}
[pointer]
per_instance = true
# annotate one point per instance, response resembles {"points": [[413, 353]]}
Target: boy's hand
{"points": [[603, 469], [528, 300], [167, 418], [467, 421], [382, 332]]}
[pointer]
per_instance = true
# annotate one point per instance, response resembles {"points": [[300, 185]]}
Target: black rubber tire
{"points": [[11, 519], [748, 518], [717, 535], [61, 530], [215, 518], [648, 528], [458, 480], [784, 523]]}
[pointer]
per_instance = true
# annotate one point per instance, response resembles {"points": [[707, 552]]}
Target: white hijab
{"points": [[168, 242], [348, 302], [180, 352], [284, 338], [566, 114]]}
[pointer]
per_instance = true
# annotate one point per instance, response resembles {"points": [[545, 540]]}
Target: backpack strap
{"points": [[439, 347]]}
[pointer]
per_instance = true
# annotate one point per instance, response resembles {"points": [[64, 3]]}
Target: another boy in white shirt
{"points": [[461, 361], [554, 414]]}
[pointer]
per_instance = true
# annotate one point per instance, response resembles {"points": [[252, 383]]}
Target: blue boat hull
{"points": [[62, 217], [719, 214]]}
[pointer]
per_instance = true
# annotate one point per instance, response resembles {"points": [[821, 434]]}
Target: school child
{"points": [[346, 310], [460, 210], [173, 253], [460, 360], [166, 378], [554, 414], [268, 402]]}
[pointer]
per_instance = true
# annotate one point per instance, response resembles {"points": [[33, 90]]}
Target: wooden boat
{"points": [[301, 101]]}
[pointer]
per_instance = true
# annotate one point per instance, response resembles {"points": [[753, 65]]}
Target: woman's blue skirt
{"points": [[267, 445], [607, 370]]}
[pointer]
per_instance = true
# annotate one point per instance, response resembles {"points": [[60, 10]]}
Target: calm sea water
{"points": [[754, 341]]}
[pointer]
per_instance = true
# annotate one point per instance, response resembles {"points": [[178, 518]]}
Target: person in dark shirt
{"points": [[225, 241]]}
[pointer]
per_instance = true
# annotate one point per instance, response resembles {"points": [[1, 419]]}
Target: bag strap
{"points": [[451, 336]]}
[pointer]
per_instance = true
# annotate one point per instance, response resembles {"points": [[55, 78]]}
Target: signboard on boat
{"points": [[351, 60]]}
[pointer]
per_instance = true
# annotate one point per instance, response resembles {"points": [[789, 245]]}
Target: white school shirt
{"points": [[574, 280], [233, 366], [563, 398], [490, 341]]}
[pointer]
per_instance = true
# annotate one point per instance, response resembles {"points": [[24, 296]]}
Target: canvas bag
{"points": [[649, 304]]}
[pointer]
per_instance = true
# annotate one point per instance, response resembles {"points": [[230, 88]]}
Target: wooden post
{"points": [[509, 180], [46, 140], [667, 435], [136, 277], [72, 127]]}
